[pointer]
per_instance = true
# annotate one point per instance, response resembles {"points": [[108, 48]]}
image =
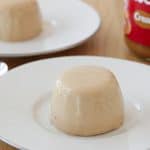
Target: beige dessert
{"points": [[87, 101], [19, 20]]}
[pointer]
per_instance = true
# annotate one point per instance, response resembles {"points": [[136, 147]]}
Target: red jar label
{"points": [[137, 21]]}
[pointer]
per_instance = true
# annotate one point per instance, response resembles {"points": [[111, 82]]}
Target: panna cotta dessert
{"points": [[87, 101], [19, 20]]}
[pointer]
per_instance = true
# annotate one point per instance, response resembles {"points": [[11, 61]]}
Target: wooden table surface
{"points": [[107, 42]]}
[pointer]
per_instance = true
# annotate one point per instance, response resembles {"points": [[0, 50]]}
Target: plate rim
{"points": [[82, 56]]}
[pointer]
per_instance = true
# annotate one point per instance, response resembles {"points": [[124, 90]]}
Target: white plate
{"points": [[25, 98], [67, 23]]}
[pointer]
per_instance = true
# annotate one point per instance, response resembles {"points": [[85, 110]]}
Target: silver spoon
{"points": [[3, 68]]}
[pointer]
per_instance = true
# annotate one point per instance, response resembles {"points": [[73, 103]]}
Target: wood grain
{"points": [[107, 42]]}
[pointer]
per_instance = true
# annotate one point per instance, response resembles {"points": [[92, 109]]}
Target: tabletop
{"points": [[108, 41]]}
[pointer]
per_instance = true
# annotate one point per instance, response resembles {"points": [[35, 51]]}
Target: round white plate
{"points": [[25, 98], [66, 23]]}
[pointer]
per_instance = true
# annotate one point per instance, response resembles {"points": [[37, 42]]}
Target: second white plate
{"points": [[67, 23]]}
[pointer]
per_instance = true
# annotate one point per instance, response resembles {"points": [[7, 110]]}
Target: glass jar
{"points": [[137, 27]]}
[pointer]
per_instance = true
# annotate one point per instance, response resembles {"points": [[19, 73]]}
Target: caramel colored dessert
{"points": [[87, 101], [19, 20]]}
